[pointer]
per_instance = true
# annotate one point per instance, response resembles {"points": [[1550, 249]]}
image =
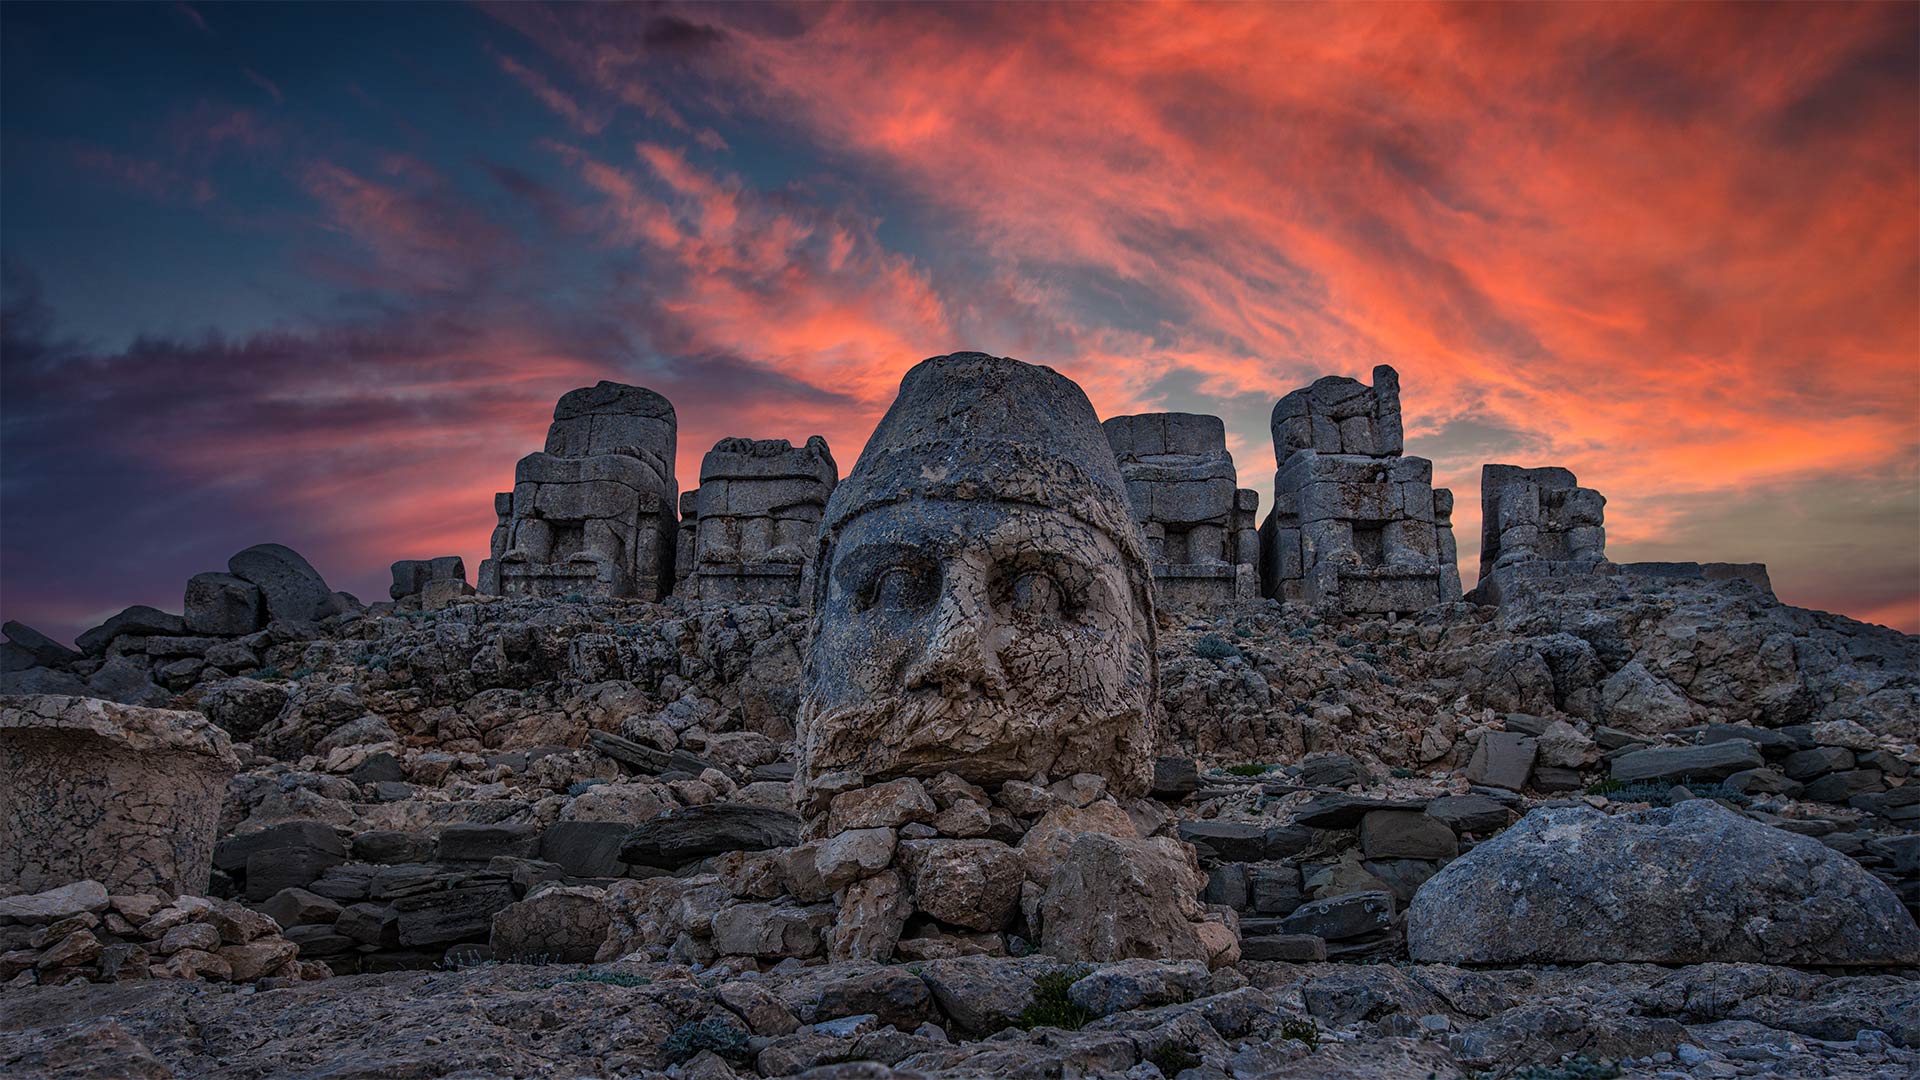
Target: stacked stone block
{"points": [[1356, 527], [750, 527], [594, 513], [1199, 526]]}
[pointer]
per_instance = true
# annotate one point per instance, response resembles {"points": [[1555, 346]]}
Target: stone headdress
{"points": [[979, 428]]}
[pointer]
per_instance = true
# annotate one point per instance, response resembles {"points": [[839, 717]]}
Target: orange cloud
{"points": [[1672, 247]]}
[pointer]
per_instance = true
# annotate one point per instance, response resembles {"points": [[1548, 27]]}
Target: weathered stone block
{"points": [[126, 796]]}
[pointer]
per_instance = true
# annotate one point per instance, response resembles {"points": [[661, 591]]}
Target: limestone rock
{"points": [[872, 913], [566, 924], [1692, 884], [1503, 759], [967, 883], [53, 905], [1148, 905], [1045, 845], [816, 870], [38, 647], [772, 931], [882, 806]]}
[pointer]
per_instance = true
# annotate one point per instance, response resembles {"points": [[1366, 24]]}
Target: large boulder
{"points": [[1693, 884], [294, 590]]}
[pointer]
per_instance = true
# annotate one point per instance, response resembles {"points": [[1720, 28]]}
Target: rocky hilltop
{"points": [[1019, 751]]}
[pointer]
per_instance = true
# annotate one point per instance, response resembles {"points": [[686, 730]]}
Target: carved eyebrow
{"points": [[867, 558]]}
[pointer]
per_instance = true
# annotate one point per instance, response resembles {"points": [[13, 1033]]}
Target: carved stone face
{"points": [[994, 639]]}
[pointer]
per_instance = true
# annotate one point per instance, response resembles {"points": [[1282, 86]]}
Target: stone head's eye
{"points": [[1036, 594], [901, 588]]}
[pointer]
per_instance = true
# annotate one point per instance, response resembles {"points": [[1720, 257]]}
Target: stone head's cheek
{"points": [[870, 650], [1068, 661]]}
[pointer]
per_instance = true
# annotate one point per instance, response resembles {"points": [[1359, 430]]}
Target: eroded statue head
{"points": [[981, 597]]}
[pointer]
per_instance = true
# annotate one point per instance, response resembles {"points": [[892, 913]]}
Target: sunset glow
{"points": [[317, 274]]}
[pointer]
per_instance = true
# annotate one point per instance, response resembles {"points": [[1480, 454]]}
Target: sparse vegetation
{"points": [[1051, 1006], [1215, 647], [716, 1035], [1302, 1031], [1248, 768], [1577, 1067], [610, 978]]}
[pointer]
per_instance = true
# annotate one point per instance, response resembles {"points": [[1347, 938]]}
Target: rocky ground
{"points": [[440, 805]]}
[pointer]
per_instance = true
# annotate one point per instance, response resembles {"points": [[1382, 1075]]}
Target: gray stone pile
{"points": [[1199, 525], [143, 655], [594, 514], [80, 932], [748, 532], [1356, 526]]}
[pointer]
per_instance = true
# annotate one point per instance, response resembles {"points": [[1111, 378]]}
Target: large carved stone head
{"points": [[981, 597]]}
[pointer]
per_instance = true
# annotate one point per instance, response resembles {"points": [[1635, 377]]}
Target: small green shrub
{"points": [[1604, 787], [574, 598], [1305, 1031], [1051, 1006], [301, 673], [610, 978], [1248, 768], [1577, 1067], [269, 674], [712, 1034], [1172, 1059], [1215, 647]]}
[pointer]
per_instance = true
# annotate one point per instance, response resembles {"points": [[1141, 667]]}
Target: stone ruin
{"points": [[427, 584], [1536, 521], [594, 513], [745, 534], [1356, 527], [1199, 527], [125, 796]]}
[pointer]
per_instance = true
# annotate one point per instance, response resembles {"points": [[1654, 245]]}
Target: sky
{"points": [[316, 274]]}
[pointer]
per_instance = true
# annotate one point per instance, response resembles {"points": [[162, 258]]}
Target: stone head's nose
{"points": [[959, 660]]}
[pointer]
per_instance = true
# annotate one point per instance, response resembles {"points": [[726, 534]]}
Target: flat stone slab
{"points": [[1345, 811], [1714, 761], [696, 832]]}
